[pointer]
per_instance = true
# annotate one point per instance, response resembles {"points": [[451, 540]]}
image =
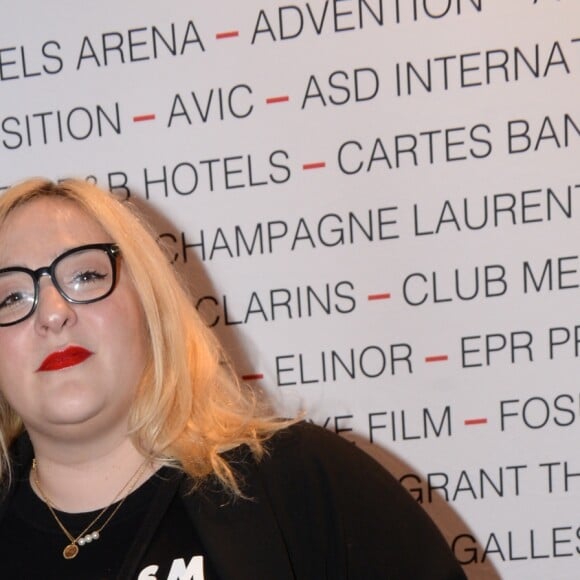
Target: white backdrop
{"points": [[377, 204]]}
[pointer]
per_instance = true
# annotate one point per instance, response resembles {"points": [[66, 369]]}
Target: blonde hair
{"points": [[190, 406]]}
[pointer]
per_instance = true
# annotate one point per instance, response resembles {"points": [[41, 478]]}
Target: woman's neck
{"points": [[86, 478]]}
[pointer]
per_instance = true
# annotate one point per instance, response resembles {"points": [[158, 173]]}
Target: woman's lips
{"points": [[61, 359]]}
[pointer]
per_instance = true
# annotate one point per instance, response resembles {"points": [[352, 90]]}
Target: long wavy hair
{"points": [[190, 405]]}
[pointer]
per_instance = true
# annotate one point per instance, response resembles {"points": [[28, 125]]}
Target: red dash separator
{"points": [[139, 118], [481, 421], [253, 377], [436, 358], [273, 100], [228, 34], [383, 296], [317, 165]]}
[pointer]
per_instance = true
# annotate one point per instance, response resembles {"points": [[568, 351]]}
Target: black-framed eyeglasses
{"points": [[81, 275]]}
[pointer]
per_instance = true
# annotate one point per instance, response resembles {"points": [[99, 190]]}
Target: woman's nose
{"points": [[53, 311]]}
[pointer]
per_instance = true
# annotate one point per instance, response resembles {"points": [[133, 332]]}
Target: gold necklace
{"points": [[85, 537]]}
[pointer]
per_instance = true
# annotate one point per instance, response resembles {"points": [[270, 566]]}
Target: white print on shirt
{"points": [[178, 571]]}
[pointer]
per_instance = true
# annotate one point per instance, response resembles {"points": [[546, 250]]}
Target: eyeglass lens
{"points": [[83, 276]]}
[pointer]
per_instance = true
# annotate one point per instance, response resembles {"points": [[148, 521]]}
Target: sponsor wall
{"points": [[376, 202]]}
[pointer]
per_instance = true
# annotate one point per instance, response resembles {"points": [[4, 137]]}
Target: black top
{"points": [[170, 548], [317, 508]]}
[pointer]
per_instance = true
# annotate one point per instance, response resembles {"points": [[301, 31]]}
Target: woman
{"points": [[128, 447]]}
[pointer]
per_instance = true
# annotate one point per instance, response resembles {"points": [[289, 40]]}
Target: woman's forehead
{"points": [[43, 228], [47, 212]]}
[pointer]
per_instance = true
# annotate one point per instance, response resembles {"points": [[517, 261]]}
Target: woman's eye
{"points": [[89, 276], [11, 300]]}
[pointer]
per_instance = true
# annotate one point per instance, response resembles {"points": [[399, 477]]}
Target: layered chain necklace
{"points": [[93, 531]]}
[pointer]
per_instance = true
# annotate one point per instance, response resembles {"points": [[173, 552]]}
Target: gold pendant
{"points": [[70, 551]]}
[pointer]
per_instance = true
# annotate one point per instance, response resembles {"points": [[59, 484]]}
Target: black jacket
{"points": [[318, 508]]}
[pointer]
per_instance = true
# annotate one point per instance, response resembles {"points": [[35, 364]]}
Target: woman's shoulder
{"points": [[309, 435], [305, 444], [307, 462], [310, 474]]}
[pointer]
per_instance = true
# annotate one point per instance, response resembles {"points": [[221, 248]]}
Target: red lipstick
{"points": [[61, 359]]}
